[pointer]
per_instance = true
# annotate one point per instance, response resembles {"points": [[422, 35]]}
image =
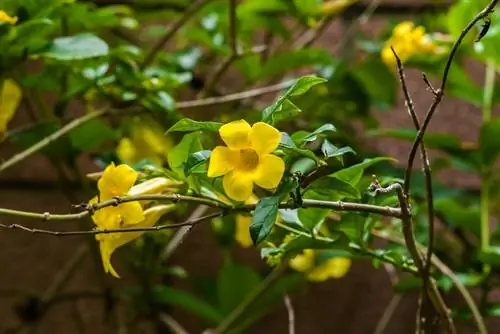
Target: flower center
{"points": [[249, 159]]}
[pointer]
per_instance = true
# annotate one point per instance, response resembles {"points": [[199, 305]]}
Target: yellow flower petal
{"points": [[269, 172], [236, 134], [222, 161], [303, 262], [10, 98], [108, 243], [403, 29], [107, 218], [116, 181], [152, 186], [335, 267], [242, 234], [131, 213], [126, 151], [238, 185], [264, 138], [4, 17]]}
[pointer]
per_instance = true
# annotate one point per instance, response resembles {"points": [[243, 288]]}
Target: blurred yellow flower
{"points": [[247, 159], [307, 263], [4, 17], [146, 141], [10, 98], [407, 40], [243, 222], [119, 181]]}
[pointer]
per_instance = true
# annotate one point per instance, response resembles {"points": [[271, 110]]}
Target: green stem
{"points": [[489, 86], [234, 316]]}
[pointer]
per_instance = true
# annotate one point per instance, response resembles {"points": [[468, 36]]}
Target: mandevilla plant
{"points": [[105, 85]]}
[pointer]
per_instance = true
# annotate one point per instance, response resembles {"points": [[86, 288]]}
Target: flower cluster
{"points": [[119, 181], [407, 40], [247, 158]]}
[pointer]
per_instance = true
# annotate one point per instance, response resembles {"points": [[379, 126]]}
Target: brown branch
{"points": [[411, 245], [439, 93], [291, 314], [427, 175]]}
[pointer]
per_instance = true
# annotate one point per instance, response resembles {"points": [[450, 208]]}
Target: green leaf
{"points": [[178, 156], [184, 300], [329, 150], [91, 135], [491, 256], [195, 160], [332, 187], [189, 125], [467, 279], [288, 146], [489, 140], [315, 134], [78, 47], [312, 218], [264, 218], [234, 283], [458, 214], [371, 73], [353, 174], [282, 107]]}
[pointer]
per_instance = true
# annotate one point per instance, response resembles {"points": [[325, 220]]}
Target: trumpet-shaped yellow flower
{"points": [[247, 158], [407, 40], [334, 267], [118, 181], [4, 17], [146, 141]]}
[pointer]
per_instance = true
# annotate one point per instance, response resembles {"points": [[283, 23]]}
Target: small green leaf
{"points": [[491, 255], [285, 107], [489, 141], [189, 125], [184, 300], [195, 160], [353, 174], [234, 283], [329, 150], [78, 47], [314, 135], [332, 187], [264, 218], [312, 218], [178, 156]]}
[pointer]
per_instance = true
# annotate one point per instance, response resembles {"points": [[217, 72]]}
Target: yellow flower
{"points": [[247, 159], [108, 243], [118, 181], [307, 263], [10, 98], [407, 40], [4, 17], [146, 141]]}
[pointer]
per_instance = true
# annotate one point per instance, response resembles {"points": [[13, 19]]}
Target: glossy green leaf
{"points": [[76, 47], [312, 218], [195, 160], [332, 187], [283, 107], [353, 174], [189, 125], [264, 218], [178, 156]]}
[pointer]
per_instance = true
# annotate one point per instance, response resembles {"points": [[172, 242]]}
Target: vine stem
{"points": [[489, 86]]}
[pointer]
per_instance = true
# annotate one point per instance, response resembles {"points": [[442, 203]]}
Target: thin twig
{"points": [[440, 92], [411, 245], [89, 209], [172, 324], [427, 176], [291, 314], [476, 314], [181, 234], [187, 14]]}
